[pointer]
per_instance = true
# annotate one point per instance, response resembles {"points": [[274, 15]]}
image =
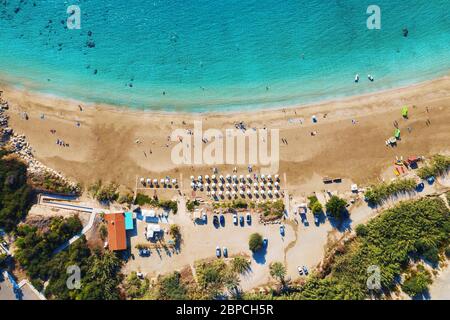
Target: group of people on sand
{"points": [[61, 143]]}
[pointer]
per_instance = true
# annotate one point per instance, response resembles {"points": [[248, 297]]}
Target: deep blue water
{"points": [[216, 55]]}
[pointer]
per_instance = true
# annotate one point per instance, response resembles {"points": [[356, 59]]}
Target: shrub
{"points": [[447, 252], [417, 281], [190, 205], [104, 193], [255, 242], [438, 165], [240, 265], [134, 287], [376, 194], [361, 230]]}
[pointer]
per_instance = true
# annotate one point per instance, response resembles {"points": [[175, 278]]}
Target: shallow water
{"points": [[197, 55]]}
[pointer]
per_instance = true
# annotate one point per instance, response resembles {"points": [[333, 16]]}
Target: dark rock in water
{"points": [[89, 33], [90, 44], [130, 85], [405, 32], [16, 10], [95, 71]]}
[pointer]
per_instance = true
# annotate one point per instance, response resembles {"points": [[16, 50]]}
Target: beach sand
{"points": [[104, 146]]}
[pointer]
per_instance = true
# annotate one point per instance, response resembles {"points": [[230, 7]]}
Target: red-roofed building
{"points": [[117, 239]]}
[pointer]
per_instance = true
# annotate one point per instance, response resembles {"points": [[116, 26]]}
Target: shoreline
{"points": [[127, 109], [349, 131]]}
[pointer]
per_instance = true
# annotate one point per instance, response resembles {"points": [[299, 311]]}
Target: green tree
{"points": [[171, 287], [336, 207], [240, 265], [255, 242], [417, 282], [278, 271], [175, 232], [134, 287], [316, 208]]}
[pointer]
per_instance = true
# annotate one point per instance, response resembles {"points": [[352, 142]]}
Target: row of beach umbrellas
{"points": [[156, 182], [235, 186], [236, 179], [243, 193]]}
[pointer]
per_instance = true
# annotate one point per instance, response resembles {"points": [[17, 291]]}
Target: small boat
{"points": [[357, 78], [370, 77]]}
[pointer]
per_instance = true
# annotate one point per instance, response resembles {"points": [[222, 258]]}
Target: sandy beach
{"points": [[119, 144]]}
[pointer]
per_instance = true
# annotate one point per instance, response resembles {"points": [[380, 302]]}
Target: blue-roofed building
{"points": [[129, 223]]}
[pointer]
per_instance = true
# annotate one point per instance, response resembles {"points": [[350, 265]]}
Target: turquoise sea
{"points": [[210, 55]]}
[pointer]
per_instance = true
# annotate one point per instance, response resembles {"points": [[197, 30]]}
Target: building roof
{"points": [[129, 225], [116, 231]]}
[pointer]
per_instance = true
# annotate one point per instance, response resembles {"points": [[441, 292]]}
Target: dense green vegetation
{"points": [[169, 287], [100, 277], [3, 258], [314, 205], [272, 208], [104, 193], [417, 281], [191, 205], [15, 193], [410, 231], [35, 247], [438, 165], [240, 265], [376, 194], [142, 199], [336, 207], [234, 204], [51, 183], [213, 279], [136, 288], [278, 271], [255, 242]]}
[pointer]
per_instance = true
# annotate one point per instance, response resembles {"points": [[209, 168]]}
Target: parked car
{"points": [[249, 218], [222, 219], [235, 219], [241, 220], [144, 252], [265, 242], [215, 220], [305, 270], [218, 253], [204, 217], [300, 270], [316, 219], [225, 252], [282, 230]]}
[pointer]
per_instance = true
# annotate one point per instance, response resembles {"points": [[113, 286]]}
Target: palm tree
{"points": [[278, 271], [240, 265], [231, 282]]}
